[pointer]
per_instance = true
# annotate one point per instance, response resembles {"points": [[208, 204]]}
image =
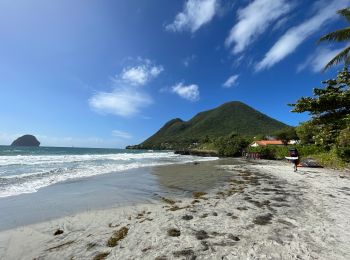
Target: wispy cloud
{"points": [[195, 14], [122, 101], [188, 60], [231, 81], [189, 92], [127, 98], [121, 134], [141, 74], [288, 43], [253, 20], [318, 60]]}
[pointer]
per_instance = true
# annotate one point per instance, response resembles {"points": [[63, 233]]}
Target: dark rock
{"points": [[203, 153], [26, 140], [58, 232], [311, 163]]}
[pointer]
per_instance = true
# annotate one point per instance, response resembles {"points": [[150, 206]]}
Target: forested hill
{"points": [[230, 117]]}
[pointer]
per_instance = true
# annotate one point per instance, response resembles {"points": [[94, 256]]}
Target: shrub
{"points": [[343, 144], [231, 145]]}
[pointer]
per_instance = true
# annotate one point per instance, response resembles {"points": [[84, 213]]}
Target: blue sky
{"points": [[109, 73]]}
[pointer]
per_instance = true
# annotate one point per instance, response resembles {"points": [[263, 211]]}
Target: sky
{"points": [[92, 73]]}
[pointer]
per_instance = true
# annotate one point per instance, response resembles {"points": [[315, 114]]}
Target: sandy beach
{"points": [[262, 211]]}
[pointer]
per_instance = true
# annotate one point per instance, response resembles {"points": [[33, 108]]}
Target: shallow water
{"points": [[142, 185], [28, 169]]}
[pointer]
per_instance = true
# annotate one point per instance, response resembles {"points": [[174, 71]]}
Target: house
{"points": [[266, 142], [271, 142]]}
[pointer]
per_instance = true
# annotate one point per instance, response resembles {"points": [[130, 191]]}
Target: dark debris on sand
{"points": [[174, 232]]}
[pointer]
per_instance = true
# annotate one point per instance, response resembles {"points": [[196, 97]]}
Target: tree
{"points": [[329, 108], [306, 132], [286, 134], [341, 35], [231, 145], [343, 144]]}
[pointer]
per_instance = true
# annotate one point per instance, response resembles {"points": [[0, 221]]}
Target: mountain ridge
{"points": [[229, 117]]}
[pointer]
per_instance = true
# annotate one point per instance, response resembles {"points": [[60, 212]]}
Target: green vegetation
{"points": [[231, 145], [286, 134], [209, 126], [340, 35], [230, 128], [329, 127]]}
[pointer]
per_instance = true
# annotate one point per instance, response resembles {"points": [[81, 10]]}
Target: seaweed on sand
{"points": [[188, 253], [198, 194], [173, 232], [263, 219], [101, 256], [60, 246], [201, 234], [117, 236], [168, 201]]}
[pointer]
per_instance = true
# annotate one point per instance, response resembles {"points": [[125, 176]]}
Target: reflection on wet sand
{"points": [[191, 177]]}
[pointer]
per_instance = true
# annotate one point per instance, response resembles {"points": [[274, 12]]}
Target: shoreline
{"points": [[264, 210], [115, 189]]}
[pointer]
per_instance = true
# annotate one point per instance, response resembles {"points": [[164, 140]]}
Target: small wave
{"points": [[50, 159], [87, 166]]}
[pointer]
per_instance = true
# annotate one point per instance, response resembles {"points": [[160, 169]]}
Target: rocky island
{"points": [[26, 140]]}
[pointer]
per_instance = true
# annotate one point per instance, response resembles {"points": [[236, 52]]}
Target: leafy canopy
{"points": [[329, 108], [341, 35]]}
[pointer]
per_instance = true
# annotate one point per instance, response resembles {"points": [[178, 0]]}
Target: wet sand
{"points": [[263, 211], [132, 187]]}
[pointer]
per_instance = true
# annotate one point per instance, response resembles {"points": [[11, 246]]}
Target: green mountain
{"points": [[230, 117]]}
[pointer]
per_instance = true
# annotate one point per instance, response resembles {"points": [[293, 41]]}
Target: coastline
{"points": [[263, 210]]}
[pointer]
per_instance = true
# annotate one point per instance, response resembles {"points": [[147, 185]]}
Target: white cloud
{"points": [[121, 102], [190, 92], [127, 99], [288, 43], [231, 81], [196, 13], [140, 75], [253, 20], [318, 60], [121, 134]]}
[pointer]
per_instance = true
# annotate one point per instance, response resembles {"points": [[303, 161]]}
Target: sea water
{"points": [[28, 169]]}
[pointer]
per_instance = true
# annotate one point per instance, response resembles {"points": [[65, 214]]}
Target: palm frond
{"points": [[342, 56], [338, 36], [345, 13]]}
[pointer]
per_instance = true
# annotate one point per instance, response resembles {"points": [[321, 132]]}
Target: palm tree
{"points": [[341, 35]]}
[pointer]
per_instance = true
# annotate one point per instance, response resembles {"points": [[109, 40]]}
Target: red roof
{"points": [[269, 142]]}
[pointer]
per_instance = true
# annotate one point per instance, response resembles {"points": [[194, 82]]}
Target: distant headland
{"points": [[26, 140]]}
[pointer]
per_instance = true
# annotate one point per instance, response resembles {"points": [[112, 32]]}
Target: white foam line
{"points": [[84, 171]]}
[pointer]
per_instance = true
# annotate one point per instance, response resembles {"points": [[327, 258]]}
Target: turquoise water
{"points": [[28, 169]]}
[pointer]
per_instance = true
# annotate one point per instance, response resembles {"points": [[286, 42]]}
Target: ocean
{"points": [[28, 169]]}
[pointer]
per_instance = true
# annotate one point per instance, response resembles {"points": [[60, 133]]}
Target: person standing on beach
{"points": [[294, 153]]}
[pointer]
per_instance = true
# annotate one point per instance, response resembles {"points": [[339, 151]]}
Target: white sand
{"points": [[265, 212]]}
